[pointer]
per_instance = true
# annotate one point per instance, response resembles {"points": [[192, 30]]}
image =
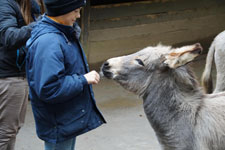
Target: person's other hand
{"points": [[92, 77]]}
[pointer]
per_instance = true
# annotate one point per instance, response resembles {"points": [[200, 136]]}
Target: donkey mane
{"points": [[183, 76]]}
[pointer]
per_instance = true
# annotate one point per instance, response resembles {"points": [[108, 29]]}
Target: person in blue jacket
{"points": [[17, 18], [59, 80]]}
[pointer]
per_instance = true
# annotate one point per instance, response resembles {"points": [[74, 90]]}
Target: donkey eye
{"points": [[140, 62]]}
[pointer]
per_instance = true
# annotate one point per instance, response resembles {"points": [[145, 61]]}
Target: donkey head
{"points": [[135, 71]]}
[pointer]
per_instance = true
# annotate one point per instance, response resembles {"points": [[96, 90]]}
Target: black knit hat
{"points": [[61, 7]]}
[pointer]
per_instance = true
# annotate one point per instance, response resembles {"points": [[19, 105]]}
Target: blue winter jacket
{"points": [[63, 103]]}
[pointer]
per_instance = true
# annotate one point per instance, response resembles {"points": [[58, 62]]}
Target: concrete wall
{"points": [[123, 28]]}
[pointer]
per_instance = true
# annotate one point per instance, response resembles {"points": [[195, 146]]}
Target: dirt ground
{"points": [[127, 127]]}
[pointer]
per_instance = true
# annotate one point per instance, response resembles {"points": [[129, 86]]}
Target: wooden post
{"points": [[85, 27]]}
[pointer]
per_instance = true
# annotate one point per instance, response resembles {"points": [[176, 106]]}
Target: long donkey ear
{"points": [[181, 56]]}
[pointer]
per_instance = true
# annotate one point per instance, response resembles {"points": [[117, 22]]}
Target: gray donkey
{"points": [[182, 116], [217, 53]]}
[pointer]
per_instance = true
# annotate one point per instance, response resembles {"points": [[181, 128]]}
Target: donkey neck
{"points": [[176, 85], [171, 103]]}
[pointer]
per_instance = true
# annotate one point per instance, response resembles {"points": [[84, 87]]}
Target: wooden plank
{"points": [[173, 32], [131, 9], [142, 28], [149, 7], [104, 2], [85, 27], [152, 18]]}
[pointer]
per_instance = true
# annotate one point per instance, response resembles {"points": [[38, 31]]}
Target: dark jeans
{"points": [[65, 145]]}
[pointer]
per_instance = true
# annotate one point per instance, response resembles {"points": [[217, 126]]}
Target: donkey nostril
{"points": [[106, 64]]}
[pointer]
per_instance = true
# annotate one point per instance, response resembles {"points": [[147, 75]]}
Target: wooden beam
{"points": [[85, 27]]}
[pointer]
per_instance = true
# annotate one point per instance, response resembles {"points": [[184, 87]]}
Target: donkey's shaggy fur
{"points": [[182, 116], [217, 53]]}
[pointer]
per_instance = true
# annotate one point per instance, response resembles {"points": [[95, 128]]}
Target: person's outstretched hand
{"points": [[92, 77]]}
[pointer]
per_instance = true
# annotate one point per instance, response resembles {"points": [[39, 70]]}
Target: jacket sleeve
{"points": [[51, 83], [12, 36]]}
